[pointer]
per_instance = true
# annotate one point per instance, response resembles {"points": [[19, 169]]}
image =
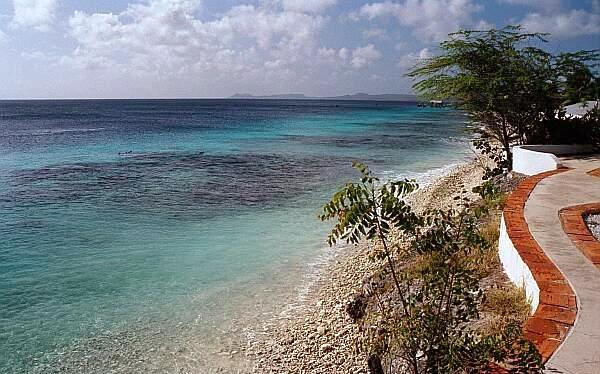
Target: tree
{"points": [[506, 83], [578, 81]]}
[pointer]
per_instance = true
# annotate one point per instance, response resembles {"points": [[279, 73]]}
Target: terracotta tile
{"points": [[547, 276], [594, 173], [575, 227], [557, 314], [533, 337], [548, 347], [557, 299], [555, 288]]}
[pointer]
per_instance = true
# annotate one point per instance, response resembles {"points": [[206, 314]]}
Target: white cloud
{"points": [[39, 14], [543, 4], [3, 37], [36, 55], [314, 6], [399, 46], [552, 16], [327, 53], [375, 33], [430, 20], [344, 53], [343, 58], [258, 48], [165, 37], [567, 24], [374, 10], [409, 60], [364, 56]]}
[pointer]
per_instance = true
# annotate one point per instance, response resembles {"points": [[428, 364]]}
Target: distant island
{"points": [[357, 96]]}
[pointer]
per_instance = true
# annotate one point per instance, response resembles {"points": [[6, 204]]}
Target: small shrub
{"points": [[423, 325]]}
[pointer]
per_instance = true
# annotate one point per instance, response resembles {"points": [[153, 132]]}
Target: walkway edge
{"points": [[555, 311], [576, 229]]}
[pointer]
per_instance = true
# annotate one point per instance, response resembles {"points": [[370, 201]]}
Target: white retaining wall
{"points": [[535, 159], [516, 269]]}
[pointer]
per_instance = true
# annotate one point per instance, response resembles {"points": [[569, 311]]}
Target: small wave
{"points": [[424, 178], [314, 270], [42, 132], [456, 140]]}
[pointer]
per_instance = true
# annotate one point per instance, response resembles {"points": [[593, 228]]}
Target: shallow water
{"points": [[145, 235]]}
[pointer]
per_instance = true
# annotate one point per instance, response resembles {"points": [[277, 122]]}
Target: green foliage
{"points": [[507, 84], [579, 82], [565, 130], [424, 326], [489, 148], [364, 210], [491, 196]]}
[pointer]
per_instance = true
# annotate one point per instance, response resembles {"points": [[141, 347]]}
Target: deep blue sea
{"points": [[146, 235]]}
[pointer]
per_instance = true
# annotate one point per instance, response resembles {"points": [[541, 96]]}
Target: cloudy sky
{"points": [[215, 48]]}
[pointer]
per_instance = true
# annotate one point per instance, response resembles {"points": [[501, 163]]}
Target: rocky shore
{"points": [[318, 336]]}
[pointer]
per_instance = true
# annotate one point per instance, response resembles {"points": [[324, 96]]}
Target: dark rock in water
{"points": [[375, 366], [357, 308]]}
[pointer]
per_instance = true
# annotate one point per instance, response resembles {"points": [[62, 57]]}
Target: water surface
{"points": [[149, 232]]}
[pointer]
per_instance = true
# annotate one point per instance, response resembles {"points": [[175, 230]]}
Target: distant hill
{"points": [[357, 96]]}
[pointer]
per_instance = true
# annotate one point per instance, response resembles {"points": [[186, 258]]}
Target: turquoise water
{"points": [[130, 226]]}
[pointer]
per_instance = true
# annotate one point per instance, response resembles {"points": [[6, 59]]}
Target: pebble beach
{"points": [[317, 336]]}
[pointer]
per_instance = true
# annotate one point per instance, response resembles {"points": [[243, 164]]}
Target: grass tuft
{"points": [[504, 306]]}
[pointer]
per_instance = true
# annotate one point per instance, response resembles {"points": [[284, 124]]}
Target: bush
{"points": [[563, 130], [425, 325]]}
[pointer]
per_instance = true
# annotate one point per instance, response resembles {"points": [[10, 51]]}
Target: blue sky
{"points": [[215, 48]]}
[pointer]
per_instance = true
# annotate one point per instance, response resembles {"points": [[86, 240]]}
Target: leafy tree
{"points": [[506, 83], [424, 325], [364, 210], [578, 82], [570, 130]]}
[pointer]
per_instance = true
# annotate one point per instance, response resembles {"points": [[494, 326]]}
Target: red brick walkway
{"points": [[556, 313]]}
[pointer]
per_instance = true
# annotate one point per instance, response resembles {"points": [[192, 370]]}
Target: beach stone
{"points": [[357, 307], [326, 348]]}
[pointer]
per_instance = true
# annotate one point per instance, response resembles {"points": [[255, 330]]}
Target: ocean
{"points": [[143, 236]]}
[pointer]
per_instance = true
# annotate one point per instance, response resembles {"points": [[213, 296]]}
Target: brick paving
{"points": [[595, 172], [572, 219], [556, 313]]}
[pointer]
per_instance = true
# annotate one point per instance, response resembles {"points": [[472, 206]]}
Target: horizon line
{"points": [[253, 97]]}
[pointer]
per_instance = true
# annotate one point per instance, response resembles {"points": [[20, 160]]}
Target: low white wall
{"points": [[535, 159], [516, 269]]}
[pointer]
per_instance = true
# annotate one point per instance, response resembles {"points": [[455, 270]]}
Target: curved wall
{"points": [[553, 301], [535, 159]]}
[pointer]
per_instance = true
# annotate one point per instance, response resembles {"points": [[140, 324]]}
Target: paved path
{"points": [[580, 353]]}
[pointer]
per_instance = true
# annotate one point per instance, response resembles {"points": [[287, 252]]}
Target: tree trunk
{"points": [[509, 157], [375, 366], [506, 144]]}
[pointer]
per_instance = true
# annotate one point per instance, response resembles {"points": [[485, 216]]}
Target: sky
{"points": [[216, 48]]}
